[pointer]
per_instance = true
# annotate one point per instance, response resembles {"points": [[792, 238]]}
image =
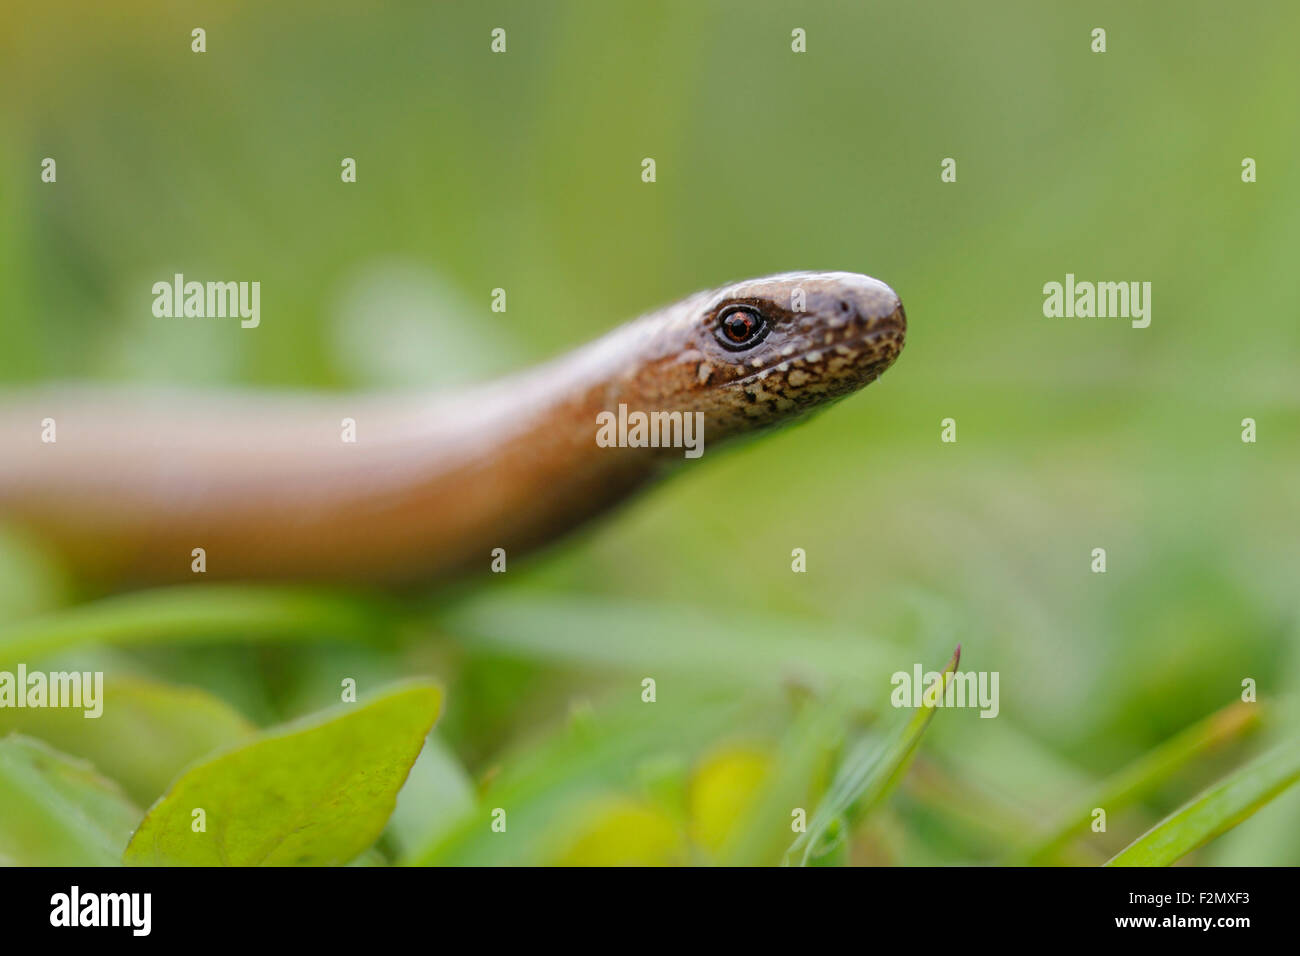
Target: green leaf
{"points": [[57, 811], [868, 775], [314, 792], [148, 732], [1215, 811], [199, 614]]}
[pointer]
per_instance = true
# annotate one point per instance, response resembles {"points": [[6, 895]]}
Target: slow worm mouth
{"points": [[883, 330]]}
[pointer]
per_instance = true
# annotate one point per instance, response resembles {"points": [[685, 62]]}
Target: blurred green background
{"points": [[522, 171]]}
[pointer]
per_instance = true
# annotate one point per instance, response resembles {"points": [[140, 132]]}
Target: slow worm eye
{"points": [[740, 326]]}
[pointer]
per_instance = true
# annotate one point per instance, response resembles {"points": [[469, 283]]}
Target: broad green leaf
{"points": [[1215, 811], [199, 614], [57, 811], [1147, 773], [148, 732], [868, 775], [315, 792]]}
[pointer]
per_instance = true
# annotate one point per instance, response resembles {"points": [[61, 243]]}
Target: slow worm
{"points": [[267, 486]]}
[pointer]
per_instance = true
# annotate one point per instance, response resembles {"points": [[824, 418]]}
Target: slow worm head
{"points": [[766, 350], [420, 486]]}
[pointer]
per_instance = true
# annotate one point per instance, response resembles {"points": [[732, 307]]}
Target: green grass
{"points": [[1217, 810], [1119, 691]]}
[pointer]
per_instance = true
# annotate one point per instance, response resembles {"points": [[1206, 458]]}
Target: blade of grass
{"points": [[641, 637], [1144, 775], [764, 831], [199, 614], [1215, 811], [868, 775]]}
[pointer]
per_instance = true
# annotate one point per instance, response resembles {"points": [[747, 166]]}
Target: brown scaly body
{"points": [[265, 485]]}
